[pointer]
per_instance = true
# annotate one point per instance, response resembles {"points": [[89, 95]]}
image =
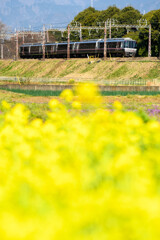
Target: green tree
{"points": [[108, 13], [128, 15], [155, 22]]}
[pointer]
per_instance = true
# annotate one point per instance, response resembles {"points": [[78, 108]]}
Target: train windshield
{"points": [[130, 44]]}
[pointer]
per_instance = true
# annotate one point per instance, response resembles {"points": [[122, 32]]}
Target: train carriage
{"points": [[115, 47]]}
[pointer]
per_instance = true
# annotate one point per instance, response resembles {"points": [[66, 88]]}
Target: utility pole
{"points": [[47, 36], [43, 44], [80, 31], [23, 41], [150, 41], [17, 35], [68, 46], [105, 41], [2, 50], [2, 43], [23, 38], [110, 28]]}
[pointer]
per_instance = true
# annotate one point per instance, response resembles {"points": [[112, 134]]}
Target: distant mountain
{"points": [[22, 13]]}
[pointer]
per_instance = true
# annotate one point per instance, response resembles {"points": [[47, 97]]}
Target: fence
{"points": [[131, 82], [61, 87]]}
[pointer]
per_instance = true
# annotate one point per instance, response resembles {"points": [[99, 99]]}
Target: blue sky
{"points": [[22, 13]]}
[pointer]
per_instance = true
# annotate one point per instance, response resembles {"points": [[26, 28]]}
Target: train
{"points": [[116, 47]]}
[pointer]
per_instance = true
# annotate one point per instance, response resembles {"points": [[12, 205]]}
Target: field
{"points": [[76, 164], [38, 105]]}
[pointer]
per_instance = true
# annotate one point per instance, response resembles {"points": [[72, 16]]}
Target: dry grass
{"points": [[82, 69]]}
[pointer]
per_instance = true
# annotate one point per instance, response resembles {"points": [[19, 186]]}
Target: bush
{"points": [[71, 81], [79, 175]]}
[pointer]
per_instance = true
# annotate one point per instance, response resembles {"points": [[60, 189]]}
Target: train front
{"points": [[130, 48]]}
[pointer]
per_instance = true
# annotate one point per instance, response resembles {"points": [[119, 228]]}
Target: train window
{"points": [[62, 47], [126, 44], [134, 45], [122, 44], [118, 45], [48, 48], [87, 45], [102, 45], [40, 49], [34, 49], [26, 49], [130, 44], [112, 45], [54, 48], [72, 46]]}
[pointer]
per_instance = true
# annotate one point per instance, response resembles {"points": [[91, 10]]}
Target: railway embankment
{"points": [[85, 69]]}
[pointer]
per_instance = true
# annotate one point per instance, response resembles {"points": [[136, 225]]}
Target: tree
{"points": [[155, 22], [81, 17], [128, 15], [108, 13]]}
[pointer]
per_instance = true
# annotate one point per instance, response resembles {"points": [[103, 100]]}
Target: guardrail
{"points": [[130, 82]]}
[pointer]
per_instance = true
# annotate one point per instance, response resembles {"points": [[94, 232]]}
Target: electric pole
{"points": [[150, 41], [68, 45], [110, 28], [43, 44], [17, 45], [2, 47], [47, 36], [80, 31], [105, 41], [2, 50]]}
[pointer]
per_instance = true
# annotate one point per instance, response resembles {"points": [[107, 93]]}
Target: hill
{"points": [[22, 13]]}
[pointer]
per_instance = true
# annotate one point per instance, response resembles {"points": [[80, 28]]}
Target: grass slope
{"points": [[81, 69]]}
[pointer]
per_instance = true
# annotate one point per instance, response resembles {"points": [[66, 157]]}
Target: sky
{"points": [[35, 13]]}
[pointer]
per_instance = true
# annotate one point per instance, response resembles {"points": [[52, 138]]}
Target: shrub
{"points": [[71, 81]]}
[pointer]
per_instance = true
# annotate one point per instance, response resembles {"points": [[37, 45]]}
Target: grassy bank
{"points": [[82, 69]]}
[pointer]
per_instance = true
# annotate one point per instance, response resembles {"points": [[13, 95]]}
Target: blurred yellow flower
{"points": [[76, 105], [79, 176], [67, 95]]}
